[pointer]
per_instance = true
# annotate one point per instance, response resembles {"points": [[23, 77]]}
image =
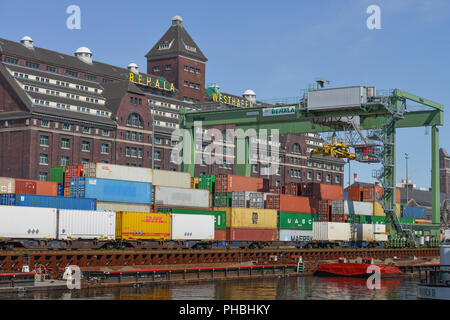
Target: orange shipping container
{"points": [[220, 235], [368, 193], [322, 191], [288, 203], [25, 186], [47, 188], [229, 183]]}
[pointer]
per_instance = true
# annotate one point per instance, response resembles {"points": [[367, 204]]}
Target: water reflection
{"points": [[295, 288]]}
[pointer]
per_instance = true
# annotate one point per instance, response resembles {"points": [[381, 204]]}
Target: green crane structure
{"points": [[384, 113]]}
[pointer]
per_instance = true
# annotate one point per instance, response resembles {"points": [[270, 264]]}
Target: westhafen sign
{"points": [[279, 111]]}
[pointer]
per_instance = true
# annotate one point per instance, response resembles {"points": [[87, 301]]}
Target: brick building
{"points": [[444, 166], [59, 109]]}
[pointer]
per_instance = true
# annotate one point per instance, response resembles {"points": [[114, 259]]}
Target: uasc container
{"points": [[33, 223], [179, 197], [116, 172], [174, 179], [82, 224], [296, 221], [192, 227], [143, 226]]}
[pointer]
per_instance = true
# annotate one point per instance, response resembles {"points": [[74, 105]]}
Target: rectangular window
{"points": [[64, 161], [197, 71], [157, 155], [32, 65], [168, 67], [157, 140], [328, 177], [140, 136], [105, 132], [42, 176], [139, 153], [83, 161], [337, 179], [186, 68], [127, 151], [156, 69], [72, 73], [85, 146], [45, 123], [66, 126], [133, 152], [309, 175], [105, 148], [191, 69], [11, 60], [86, 130], [133, 136], [319, 176], [52, 69], [254, 168], [65, 143], [90, 78], [43, 158], [107, 81], [44, 141]]}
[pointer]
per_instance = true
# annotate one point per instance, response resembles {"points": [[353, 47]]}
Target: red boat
{"points": [[345, 269]]}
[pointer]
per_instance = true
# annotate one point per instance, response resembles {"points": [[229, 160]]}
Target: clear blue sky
{"points": [[275, 48]]}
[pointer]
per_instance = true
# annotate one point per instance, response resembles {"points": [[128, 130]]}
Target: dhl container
{"points": [[379, 212], [322, 191], [288, 203], [219, 216], [244, 234], [229, 183], [7, 185], [250, 218], [25, 186], [117, 172], [296, 221], [120, 206], [57, 174], [144, 226], [165, 178]]}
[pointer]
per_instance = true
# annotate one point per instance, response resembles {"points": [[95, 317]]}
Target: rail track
{"points": [[54, 262]]}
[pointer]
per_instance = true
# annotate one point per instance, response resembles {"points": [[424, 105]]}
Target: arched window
{"points": [[135, 120], [296, 148]]}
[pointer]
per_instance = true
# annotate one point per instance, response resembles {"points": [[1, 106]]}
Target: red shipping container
{"points": [[322, 191], [287, 203], [25, 186], [71, 172], [220, 235], [368, 193], [275, 190], [292, 189], [47, 188], [67, 192], [337, 218], [243, 234], [229, 183]]}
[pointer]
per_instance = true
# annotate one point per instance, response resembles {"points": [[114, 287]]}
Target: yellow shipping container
{"points": [[194, 183], [142, 225], [379, 212], [250, 218]]}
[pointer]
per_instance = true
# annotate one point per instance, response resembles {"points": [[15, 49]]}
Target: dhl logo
{"points": [[151, 219]]}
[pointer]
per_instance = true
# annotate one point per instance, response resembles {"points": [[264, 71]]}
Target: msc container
{"points": [[379, 212], [358, 208], [119, 206], [295, 235], [244, 234], [7, 199], [230, 183], [192, 227], [33, 223], [144, 226], [57, 174], [7, 185], [116, 172], [414, 212], [82, 224], [254, 200], [222, 199], [32, 200], [250, 218], [219, 216], [238, 199], [107, 190], [331, 231], [173, 179], [297, 221], [322, 191], [179, 197], [287, 203]]}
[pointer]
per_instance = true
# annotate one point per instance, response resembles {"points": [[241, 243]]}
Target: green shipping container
{"points": [[222, 199], [220, 222], [207, 182], [296, 221], [376, 220], [407, 220], [57, 174], [353, 218]]}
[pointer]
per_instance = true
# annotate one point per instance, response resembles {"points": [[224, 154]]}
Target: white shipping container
{"points": [[295, 235], [358, 208], [192, 227], [174, 179], [336, 98], [27, 223], [331, 231], [84, 224], [380, 228], [179, 197], [7, 185], [121, 206], [365, 232], [116, 172], [381, 237]]}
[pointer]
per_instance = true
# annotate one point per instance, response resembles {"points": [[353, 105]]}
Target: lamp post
{"points": [[407, 184]]}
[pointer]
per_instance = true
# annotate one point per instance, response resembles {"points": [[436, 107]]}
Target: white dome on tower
{"points": [[250, 95], [177, 20], [249, 92], [83, 50], [133, 67], [84, 54], [27, 42]]}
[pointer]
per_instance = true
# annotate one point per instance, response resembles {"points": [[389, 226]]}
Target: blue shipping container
{"points": [[346, 195], [60, 190], [8, 199], [414, 212], [111, 190], [32, 200]]}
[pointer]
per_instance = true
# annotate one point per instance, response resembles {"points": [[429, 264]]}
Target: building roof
{"points": [[422, 197], [175, 42], [115, 91], [443, 153]]}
